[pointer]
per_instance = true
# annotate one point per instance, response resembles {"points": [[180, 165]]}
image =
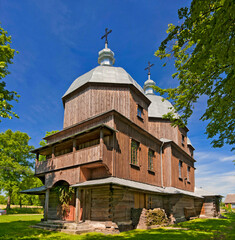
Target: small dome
{"points": [[158, 107], [104, 74]]}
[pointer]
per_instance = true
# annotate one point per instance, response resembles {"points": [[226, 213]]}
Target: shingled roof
{"points": [[230, 198]]}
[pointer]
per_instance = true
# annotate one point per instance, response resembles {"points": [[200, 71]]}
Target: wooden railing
{"points": [[78, 157]]}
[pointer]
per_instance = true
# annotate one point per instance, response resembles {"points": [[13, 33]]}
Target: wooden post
{"points": [[74, 149], [46, 204], [74, 145], [101, 143], [53, 152], [78, 205], [84, 205]]}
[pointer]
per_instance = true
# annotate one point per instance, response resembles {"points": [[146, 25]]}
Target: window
{"points": [[180, 169], [188, 173], [183, 139], [150, 159], [134, 151], [140, 111], [191, 152]]}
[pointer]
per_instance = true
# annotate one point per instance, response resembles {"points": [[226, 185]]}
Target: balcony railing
{"points": [[78, 157]]}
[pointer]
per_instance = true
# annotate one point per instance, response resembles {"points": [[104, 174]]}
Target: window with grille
{"points": [[183, 139], [150, 159], [188, 173], [134, 152], [140, 111], [180, 169]]}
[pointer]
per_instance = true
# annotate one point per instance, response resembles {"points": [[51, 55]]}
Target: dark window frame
{"points": [[180, 169], [150, 159], [134, 152], [139, 111]]}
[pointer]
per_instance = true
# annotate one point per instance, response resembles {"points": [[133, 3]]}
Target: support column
{"points": [[78, 205], [46, 204], [53, 152], [101, 142]]}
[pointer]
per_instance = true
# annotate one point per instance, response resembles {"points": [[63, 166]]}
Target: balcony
{"points": [[89, 146], [79, 157]]}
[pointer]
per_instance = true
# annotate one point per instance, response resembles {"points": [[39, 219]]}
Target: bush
{"points": [[25, 211], [156, 216]]}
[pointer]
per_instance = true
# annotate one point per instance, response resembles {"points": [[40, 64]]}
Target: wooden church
{"points": [[118, 153]]}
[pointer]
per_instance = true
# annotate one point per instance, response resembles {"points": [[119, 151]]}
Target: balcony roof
{"points": [[99, 126]]}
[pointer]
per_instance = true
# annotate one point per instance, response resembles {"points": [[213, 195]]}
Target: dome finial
{"points": [[106, 36], [106, 56], [149, 83]]}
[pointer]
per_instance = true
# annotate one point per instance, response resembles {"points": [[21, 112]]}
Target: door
{"points": [[140, 200]]}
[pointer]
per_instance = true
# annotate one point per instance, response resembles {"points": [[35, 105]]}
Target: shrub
{"points": [[25, 211], [156, 216]]}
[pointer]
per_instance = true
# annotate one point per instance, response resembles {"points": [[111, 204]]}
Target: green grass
{"points": [[17, 227]]}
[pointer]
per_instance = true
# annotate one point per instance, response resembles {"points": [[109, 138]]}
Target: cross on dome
{"points": [[148, 68], [106, 36]]}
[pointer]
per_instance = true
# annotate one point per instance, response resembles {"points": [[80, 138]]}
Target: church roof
{"points": [[104, 74], [158, 107]]}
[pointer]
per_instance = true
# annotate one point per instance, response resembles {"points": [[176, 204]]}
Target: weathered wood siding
{"points": [[100, 203], [182, 183], [162, 128], [103, 119], [95, 100], [53, 208], [178, 203], [122, 155]]}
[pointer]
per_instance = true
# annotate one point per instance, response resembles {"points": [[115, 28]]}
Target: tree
{"points": [[15, 162], [6, 96], [202, 47], [27, 182], [44, 143]]}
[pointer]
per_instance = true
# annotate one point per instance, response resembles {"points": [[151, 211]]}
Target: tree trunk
{"points": [[20, 202], [9, 200]]}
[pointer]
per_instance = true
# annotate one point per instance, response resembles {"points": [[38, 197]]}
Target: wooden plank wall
{"points": [[100, 203], [176, 182], [53, 208], [161, 128], [105, 119], [178, 203], [122, 158], [122, 202], [95, 100]]}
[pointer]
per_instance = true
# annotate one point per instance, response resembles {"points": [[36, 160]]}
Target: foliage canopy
{"points": [[6, 56], [202, 47], [15, 163]]}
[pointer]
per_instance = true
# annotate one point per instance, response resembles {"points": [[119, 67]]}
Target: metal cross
{"points": [[148, 68], [106, 35]]}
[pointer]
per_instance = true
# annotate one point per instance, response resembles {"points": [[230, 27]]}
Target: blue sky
{"points": [[59, 41]]}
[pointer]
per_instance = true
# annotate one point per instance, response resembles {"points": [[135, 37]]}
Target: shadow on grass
{"points": [[21, 230], [163, 234]]}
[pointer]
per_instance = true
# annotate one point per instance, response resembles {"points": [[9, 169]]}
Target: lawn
{"points": [[16, 227]]}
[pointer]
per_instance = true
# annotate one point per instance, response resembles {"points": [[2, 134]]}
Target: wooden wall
{"points": [[122, 155], [103, 119], [182, 183], [178, 203], [54, 207], [161, 128], [95, 100]]}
